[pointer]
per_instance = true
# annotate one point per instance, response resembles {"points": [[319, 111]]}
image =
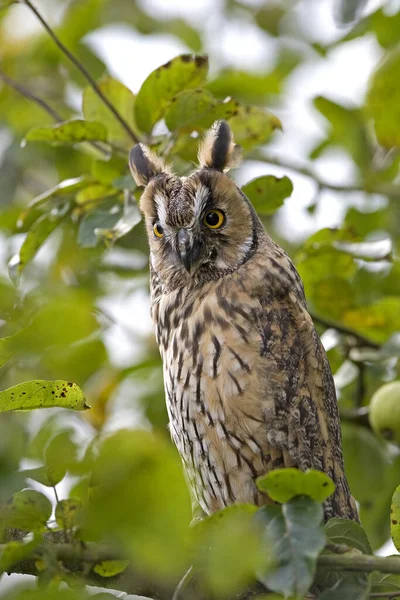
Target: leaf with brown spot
{"points": [[183, 72], [42, 394]]}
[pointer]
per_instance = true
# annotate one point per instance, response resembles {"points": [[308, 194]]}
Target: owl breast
{"points": [[213, 379]]}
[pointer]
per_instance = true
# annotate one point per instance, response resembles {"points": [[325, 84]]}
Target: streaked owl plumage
{"points": [[248, 385]]}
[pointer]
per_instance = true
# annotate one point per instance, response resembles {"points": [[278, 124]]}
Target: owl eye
{"points": [[158, 230], [214, 219]]}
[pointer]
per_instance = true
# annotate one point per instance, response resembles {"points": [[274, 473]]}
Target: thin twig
{"points": [[361, 339], [30, 96], [21, 89], [82, 69], [390, 595], [360, 562], [387, 189]]}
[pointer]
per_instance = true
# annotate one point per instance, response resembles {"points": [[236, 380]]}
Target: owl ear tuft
{"points": [[145, 164], [218, 149]]}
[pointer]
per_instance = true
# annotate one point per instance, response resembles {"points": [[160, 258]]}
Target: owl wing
{"points": [[301, 412]]}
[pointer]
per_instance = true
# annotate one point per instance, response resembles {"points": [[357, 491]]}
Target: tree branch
{"points": [[82, 69], [361, 339], [30, 96], [360, 562], [134, 581], [386, 189]]}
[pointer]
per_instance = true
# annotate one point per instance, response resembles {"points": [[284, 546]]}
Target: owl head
{"points": [[200, 227]]}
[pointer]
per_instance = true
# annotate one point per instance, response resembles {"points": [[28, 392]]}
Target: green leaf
{"points": [[365, 461], [253, 126], [35, 238], [268, 192], [378, 320], [227, 565], [347, 129], [130, 218], [66, 188], [45, 475], [27, 509], [42, 394], [344, 531], [7, 349], [98, 220], [356, 587], [15, 552], [94, 193], [283, 484], [68, 513], [69, 132], [293, 534], [383, 100], [122, 99], [395, 518], [110, 568], [183, 72], [197, 109]]}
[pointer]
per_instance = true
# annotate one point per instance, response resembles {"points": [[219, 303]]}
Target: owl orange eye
{"points": [[214, 219], [158, 230]]}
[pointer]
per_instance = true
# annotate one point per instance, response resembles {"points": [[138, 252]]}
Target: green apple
{"points": [[384, 412]]}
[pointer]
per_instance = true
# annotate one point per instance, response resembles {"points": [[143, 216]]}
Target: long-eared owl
{"points": [[247, 382]]}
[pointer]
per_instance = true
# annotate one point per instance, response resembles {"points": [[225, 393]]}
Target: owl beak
{"points": [[189, 251]]}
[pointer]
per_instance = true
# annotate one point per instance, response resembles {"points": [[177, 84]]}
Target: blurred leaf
{"points": [[294, 536], [269, 17], [110, 568], [35, 238], [253, 126], [395, 518], [42, 394], [132, 504], [196, 109], [383, 100], [107, 171], [45, 475], [130, 218], [383, 582], [94, 193], [375, 515], [377, 321], [347, 129], [66, 188], [69, 132], [68, 512], [7, 349], [122, 99], [267, 193], [60, 452], [283, 484], [15, 552], [365, 461], [355, 586], [27, 509], [344, 531], [183, 72], [386, 27], [346, 374], [227, 565], [98, 220]]}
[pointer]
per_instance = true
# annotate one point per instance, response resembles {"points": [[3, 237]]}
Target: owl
{"points": [[247, 382]]}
